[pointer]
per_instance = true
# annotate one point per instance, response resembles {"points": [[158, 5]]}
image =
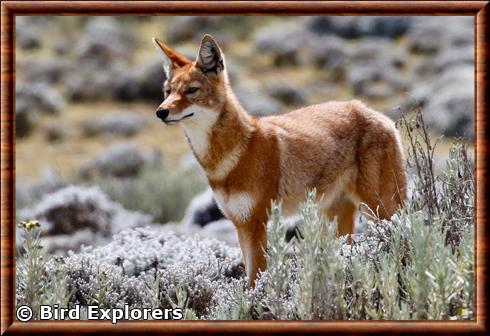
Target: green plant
{"points": [[158, 190], [35, 286]]}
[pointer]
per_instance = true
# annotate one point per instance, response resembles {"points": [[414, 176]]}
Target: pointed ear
{"points": [[210, 58], [176, 59]]}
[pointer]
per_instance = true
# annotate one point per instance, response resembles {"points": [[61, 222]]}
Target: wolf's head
{"points": [[192, 89]]}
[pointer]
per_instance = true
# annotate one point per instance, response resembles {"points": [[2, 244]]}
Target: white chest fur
{"points": [[198, 127], [238, 206]]}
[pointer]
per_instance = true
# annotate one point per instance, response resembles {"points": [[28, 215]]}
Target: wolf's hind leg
{"points": [[253, 242], [344, 210], [382, 182]]}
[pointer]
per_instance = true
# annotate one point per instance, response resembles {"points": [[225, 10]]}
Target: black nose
{"points": [[162, 113]]}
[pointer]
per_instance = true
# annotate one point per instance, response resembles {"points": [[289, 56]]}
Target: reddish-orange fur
{"points": [[345, 150]]}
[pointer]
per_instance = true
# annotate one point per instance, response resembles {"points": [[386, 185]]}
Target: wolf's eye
{"points": [[191, 89], [167, 92]]}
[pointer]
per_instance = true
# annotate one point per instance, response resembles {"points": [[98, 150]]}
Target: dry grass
{"points": [[34, 153]]}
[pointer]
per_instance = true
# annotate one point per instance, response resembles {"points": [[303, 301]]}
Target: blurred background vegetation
{"points": [[106, 179], [87, 89]]}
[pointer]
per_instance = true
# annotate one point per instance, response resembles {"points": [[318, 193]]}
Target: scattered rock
{"points": [[123, 123], [29, 192], [260, 105], [31, 100], [183, 28], [389, 26], [377, 90], [454, 56], [430, 36], [106, 39], [255, 102], [25, 119], [287, 94], [119, 160], [292, 224], [460, 31], [28, 39], [117, 81], [55, 132], [448, 102], [451, 111], [330, 52], [204, 218], [376, 69], [49, 71], [150, 78], [64, 45], [125, 84], [202, 210], [359, 26], [375, 81], [283, 41], [103, 61], [427, 36], [39, 97], [319, 25], [28, 32], [378, 51], [74, 208], [90, 82]]}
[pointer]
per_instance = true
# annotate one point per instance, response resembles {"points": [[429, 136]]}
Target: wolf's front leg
{"points": [[253, 242]]}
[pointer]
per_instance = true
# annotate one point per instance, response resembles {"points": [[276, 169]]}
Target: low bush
{"points": [[399, 269], [417, 265], [157, 190]]}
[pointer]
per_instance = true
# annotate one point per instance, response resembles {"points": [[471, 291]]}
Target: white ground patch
{"points": [[198, 127], [238, 205]]}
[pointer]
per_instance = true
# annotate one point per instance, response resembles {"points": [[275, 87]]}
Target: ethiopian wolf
{"points": [[347, 151]]}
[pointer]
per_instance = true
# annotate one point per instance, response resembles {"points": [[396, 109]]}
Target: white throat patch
{"points": [[198, 128]]}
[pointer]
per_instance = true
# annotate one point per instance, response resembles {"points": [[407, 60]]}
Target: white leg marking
{"points": [[240, 205]]}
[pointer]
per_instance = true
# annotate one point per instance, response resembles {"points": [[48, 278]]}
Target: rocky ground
{"points": [[92, 160]]}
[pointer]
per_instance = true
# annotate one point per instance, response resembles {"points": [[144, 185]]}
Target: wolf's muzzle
{"points": [[162, 113]]}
